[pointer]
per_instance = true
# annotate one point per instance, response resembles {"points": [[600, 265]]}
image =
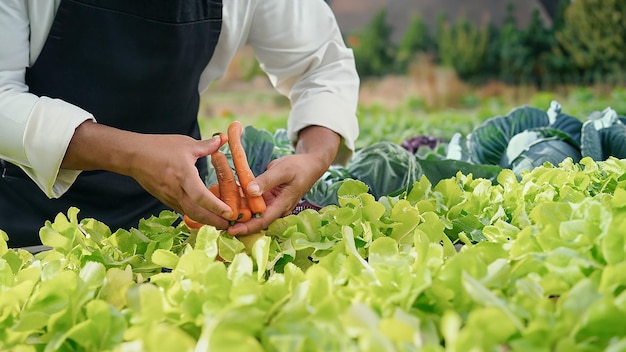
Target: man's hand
{"points": [[164, 165], [288, 178]]}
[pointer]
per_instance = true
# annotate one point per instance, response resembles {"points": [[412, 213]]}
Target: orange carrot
{"points": [[244, 208], [228, 188], [244, 211], [215, 189], [242, 168], [191, 223]]}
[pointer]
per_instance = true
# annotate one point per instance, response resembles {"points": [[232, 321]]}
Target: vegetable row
{"points": [[530, 263]]}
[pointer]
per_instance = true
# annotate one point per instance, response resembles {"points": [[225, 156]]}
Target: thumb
{"points": [[254, 189], [209, 146], [266, 181]]}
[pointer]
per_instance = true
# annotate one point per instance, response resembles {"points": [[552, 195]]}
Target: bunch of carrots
{"points": [[230, 189]]}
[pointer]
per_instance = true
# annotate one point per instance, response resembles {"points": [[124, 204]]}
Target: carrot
{"points": [[242, 168], [191, 223], [228, 188], [244, 209], [215, 189]]}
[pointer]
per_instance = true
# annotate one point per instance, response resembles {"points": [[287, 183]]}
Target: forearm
{"points": [[98, 147]]}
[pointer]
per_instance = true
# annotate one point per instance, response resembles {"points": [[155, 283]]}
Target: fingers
{"points": [[278, 208], [273, 177], [254, 225], [282, 185], [177, 183], [199, 201], [203, 216], [278, 205], [281, 188], [208, 146]]}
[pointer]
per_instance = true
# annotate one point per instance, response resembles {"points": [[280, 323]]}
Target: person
{"points": [[99, 102]]}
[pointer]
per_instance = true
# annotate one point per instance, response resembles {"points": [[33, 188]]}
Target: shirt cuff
{"points": [[327, 110], [50, 128]]}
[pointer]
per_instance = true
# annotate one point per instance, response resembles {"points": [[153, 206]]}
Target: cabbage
{"points": [[544, 150], [501, 139], [489, 141], [533, 148], [604, 135], [528, 137], [386, 168]]}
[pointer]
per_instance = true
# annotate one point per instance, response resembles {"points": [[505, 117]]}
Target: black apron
{"points": [[135, 65]]}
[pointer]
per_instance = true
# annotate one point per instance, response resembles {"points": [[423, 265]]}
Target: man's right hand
{"points": [[164, 165]]}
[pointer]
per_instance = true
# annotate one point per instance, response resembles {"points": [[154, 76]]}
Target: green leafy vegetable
{"points": [[534, 262], [529, 137], [386, 168], [489, 140]]}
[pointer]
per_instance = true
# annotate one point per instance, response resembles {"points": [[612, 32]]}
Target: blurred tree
{"points": [[463, 46], [373, 49], [416, 39], [440, 26], [491, 67], [560, 66], [513, 54], [551, 7], [594, 34], [539, 41]]}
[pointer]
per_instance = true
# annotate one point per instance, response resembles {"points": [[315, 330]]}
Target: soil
{"points": [[258, 97]]}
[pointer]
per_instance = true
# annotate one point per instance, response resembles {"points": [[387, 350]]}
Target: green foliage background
{"points": [[586, 43], [395, 124]]}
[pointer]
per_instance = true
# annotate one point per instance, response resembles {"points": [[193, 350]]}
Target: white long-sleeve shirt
{"points": [[297, 43]]}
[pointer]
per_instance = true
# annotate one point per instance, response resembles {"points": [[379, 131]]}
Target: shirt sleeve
{"points": [[35, 130], [299, 45]]}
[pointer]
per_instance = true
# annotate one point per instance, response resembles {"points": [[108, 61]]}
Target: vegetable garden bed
{"points": [[528, 261]]}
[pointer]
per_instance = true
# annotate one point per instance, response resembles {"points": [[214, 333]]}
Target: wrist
{"points": [[99, 147], [319, 142]]}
